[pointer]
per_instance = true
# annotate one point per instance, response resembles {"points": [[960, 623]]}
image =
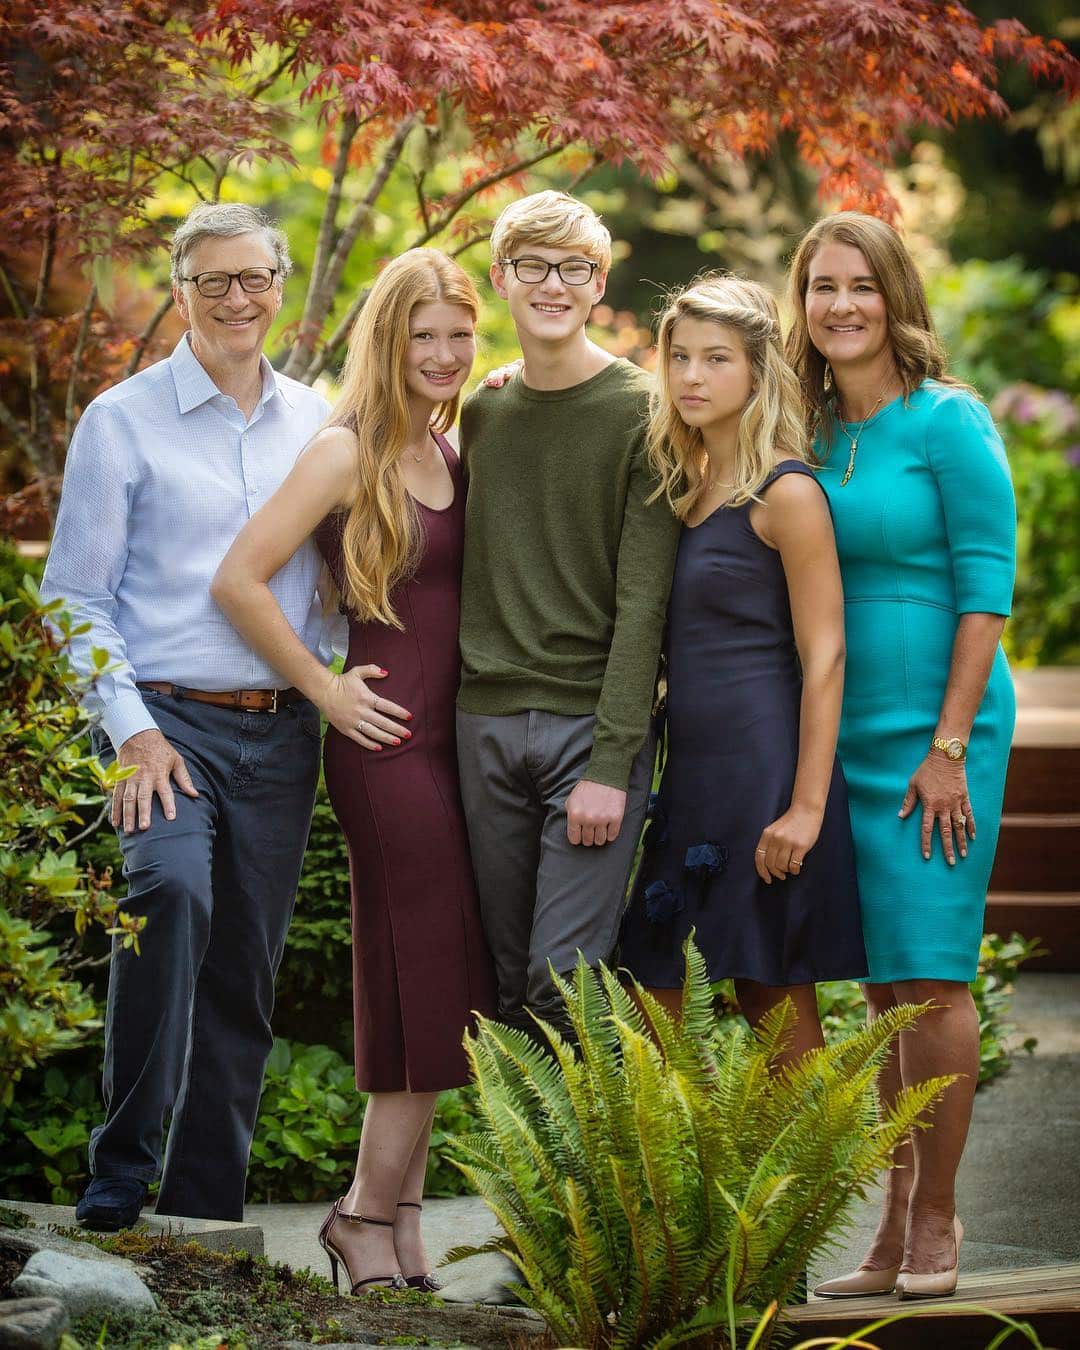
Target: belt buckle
{"points": [[273, 702]]}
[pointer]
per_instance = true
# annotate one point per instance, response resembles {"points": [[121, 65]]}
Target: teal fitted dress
{"points": [[925, 531]]}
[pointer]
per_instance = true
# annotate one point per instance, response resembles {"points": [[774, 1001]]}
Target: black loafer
{"points": [[111, 1203]]}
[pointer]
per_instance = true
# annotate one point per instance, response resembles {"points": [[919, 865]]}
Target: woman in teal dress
{"points": [[925, 524]]}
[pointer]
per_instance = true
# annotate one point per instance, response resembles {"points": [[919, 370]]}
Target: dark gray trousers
{"points": [[541, 898], [187, 1025]]}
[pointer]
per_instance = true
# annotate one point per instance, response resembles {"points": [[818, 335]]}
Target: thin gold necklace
{"points": [[855, 439], [427, 450]]}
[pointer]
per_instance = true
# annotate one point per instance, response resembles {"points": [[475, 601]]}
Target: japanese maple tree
{"points": [[100, 100]]}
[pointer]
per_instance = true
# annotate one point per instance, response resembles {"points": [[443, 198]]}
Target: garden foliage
{"points": [[48, 783], [652, 1190]]}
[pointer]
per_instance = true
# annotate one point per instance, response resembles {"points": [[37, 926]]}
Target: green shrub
{"points": [[314, 984], [1001, 324], [653, 1192], [49, 784], [1041, 428], [309, 1126]]}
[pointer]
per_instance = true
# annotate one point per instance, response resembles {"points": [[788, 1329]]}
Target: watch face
{"points": [[954, 748]]}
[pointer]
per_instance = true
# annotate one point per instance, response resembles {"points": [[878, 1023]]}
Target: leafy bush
{"points": [[48, 784], [309, 1126], [1001, 324], [1041, 428], [652, 1191], [314, 984], [1015, 336]]}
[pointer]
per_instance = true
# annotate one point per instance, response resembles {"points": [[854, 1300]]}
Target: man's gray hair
{"points": [[222, 220]]}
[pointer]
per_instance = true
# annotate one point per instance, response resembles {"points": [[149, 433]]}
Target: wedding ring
{"points": [[795, 862], [960, 822], [360, 727], [759, 850]]}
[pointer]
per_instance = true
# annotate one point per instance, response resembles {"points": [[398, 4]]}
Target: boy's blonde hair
{"points": [[771, 426], [551, 220]]}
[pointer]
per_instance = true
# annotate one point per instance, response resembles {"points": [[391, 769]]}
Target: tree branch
{"points": [[19, 435], [497, 176], [469, 243], [362, 210], [147, 334], [328, 224], [321, 359], [76, 361], [320, 298], [13, 290]]}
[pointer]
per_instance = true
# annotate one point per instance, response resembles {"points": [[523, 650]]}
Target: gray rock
{"points": [[82, 1285], [480, 1279], [32, 1323]]}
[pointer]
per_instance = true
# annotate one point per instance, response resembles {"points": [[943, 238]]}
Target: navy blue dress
{"points": [[734, 688]]}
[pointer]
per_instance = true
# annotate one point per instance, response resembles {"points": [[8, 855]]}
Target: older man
{"points": [[163, 471]]}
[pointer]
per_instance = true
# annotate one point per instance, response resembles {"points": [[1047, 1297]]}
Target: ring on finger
{"points": [[960, 822], [795, 862], [760, 850], [360, 726]]}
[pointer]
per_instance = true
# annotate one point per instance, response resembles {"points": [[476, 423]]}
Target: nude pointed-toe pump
{"points": [[936, 1284], [860, 1283]]}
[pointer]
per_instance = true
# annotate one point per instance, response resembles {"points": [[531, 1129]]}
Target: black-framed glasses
{"points": [[213, 285], [572, 271]]}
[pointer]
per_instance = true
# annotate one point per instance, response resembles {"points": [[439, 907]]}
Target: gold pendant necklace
{"points": [[855, 439]]}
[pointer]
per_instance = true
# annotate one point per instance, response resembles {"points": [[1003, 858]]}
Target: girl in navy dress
{"points": [[749, 842]]}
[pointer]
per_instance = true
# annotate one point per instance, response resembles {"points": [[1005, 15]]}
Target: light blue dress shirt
{"points": [[162, 473]]}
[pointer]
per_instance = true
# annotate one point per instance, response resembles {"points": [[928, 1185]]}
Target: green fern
{"points": [[658, 1182]]}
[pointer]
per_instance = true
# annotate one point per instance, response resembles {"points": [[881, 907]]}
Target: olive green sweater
{"points": [[567, 571]]}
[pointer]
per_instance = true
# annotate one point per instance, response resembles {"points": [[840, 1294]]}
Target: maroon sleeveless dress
{"points": [[420, 962]]}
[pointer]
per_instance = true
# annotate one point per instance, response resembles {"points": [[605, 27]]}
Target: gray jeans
{"points": [[187, 1026], [541, 898]]}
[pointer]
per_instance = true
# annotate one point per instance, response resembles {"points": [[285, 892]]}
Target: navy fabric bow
{"points": [[706, 859], [662, 903], [656, 834]]}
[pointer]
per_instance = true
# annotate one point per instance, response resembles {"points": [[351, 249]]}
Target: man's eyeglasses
{"points": [[213, 285], [572, 271]]}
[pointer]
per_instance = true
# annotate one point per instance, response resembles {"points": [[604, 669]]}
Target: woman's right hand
{"points": [[495, 379], [359, 713]]}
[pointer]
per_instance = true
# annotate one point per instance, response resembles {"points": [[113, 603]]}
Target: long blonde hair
{"points": [[916, 347], [771, 425], [382, 536]]}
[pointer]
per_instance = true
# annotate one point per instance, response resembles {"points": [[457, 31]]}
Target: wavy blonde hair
{"points": [[771, 426], [916, 347], [382, 536]]}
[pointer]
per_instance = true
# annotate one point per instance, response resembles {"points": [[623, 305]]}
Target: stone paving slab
{"points": [[216, 1235], [291, 1236]]}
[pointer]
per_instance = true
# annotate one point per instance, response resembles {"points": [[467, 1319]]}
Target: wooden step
{"points": [[1037, 853], [1043, 778], [1048, 1297], [1053, 917]]}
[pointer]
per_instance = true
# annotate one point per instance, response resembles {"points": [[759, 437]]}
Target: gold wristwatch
{"points": [[954, 747]]}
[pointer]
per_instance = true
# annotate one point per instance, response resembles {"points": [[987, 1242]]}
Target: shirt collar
{"points": [[194, 387]]}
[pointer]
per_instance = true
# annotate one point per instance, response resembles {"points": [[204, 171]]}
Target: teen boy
{"points": [[565, 586]]}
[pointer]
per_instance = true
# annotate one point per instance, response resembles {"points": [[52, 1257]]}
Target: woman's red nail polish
{"points": [[383, 672], [408, 735], [397, 740]]}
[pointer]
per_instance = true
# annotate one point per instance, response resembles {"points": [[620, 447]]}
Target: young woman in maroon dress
{"points": [[381, 490]]}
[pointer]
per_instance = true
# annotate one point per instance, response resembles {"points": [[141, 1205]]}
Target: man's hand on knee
{"points": [[156, 762], [594, 813]]}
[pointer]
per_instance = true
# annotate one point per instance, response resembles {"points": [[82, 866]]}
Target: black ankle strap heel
{"points": [[428, 1283]]}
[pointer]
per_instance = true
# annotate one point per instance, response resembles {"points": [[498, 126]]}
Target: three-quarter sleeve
{"points": [[968, 460]]}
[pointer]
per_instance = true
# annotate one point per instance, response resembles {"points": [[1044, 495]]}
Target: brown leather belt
{"points": [[246, 700]]}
